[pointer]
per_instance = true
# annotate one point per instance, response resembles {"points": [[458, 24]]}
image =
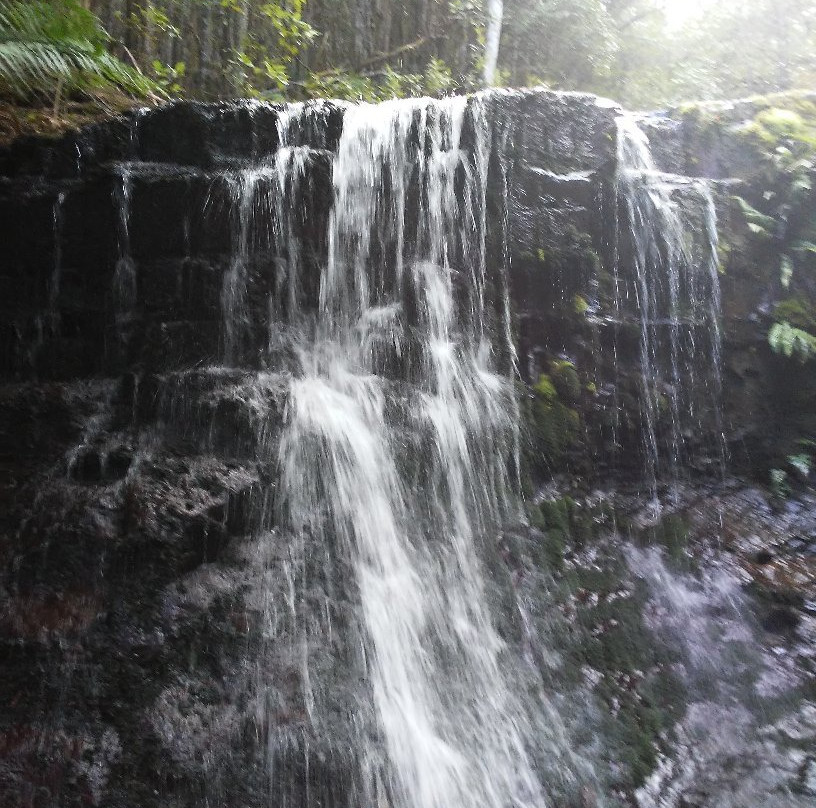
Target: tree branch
{"points": [[401, 50]]}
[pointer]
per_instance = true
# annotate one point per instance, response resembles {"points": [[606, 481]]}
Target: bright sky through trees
{"points": [[679, 12]]}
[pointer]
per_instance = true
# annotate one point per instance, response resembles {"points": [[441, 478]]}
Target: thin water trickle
{"points": [[263, 199], [56, 272], [124, 280], [124, 275], [676, 294]]}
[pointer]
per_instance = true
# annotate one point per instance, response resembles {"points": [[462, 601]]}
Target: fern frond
{"points": [[757, 222], [46, 45], [790, 341]]}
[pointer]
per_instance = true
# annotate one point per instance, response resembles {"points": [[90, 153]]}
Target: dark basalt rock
{"points": [[134, 470]]}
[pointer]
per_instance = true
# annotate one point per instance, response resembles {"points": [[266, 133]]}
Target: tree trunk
{"points": [[495, 11]]}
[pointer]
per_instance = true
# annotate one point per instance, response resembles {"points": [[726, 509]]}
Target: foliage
{"points": [[262, 61], [798, 311], [561, 43], [732, 49], [783, 134], [801, 463], [169, 77], [758, 223], [780, 487], [632, 50], [798, 468], [791, 341], [50, 47]]}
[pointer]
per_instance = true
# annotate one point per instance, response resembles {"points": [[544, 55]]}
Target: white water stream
{"points": [[413, 521]]}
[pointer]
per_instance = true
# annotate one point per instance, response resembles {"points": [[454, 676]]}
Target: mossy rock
{"points": [[545, 389], [580, 304], [567, 521], [566, 381], [636, 680], [775, 124], [672, 532], [553, 428], [549, 552], [575, 250]]}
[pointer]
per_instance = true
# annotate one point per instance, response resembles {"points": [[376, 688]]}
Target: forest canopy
{"points": [[644, 53]]}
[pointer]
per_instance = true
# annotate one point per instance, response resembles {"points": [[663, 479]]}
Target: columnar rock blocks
{"points": [[130, 458]]}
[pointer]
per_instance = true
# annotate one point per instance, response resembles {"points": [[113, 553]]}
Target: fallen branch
{"points": [[401, 50]]}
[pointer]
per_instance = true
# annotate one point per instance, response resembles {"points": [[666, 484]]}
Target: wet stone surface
{"points": [[153, 602]]}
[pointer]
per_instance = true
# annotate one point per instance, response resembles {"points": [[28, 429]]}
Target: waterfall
{"points": [[675, 291], [397, 445], [264, 198]]}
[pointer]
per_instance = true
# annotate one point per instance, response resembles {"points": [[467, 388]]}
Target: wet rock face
{"points": [[135, 469], [118, 239]]}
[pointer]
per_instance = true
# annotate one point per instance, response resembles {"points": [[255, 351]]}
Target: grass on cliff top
{"points": [[765, 118], [18, 120]]}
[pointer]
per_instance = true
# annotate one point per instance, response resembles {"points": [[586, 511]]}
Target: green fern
{"points": [[758, 223], [790, 341], [50, 47]]}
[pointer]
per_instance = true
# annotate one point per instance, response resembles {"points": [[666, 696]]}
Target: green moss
{"points": [[778, 123], [672, 533], [798, 311], [566, 381], [554, 428], [557, 513], [553, 424], [545, 389], [579, 304]]}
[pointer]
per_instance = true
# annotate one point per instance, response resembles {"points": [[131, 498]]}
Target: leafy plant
{"points": [[438, 78], [50, 48], [758, 223], [149, 19], [801, 463], [263, 59], [780, 487], [790, 341], [169, 77]]}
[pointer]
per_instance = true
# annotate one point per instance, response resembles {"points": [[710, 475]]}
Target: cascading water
{"points": [[124, 276], [289, 569], [675, 291], [397, 439], [262, 206]]}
